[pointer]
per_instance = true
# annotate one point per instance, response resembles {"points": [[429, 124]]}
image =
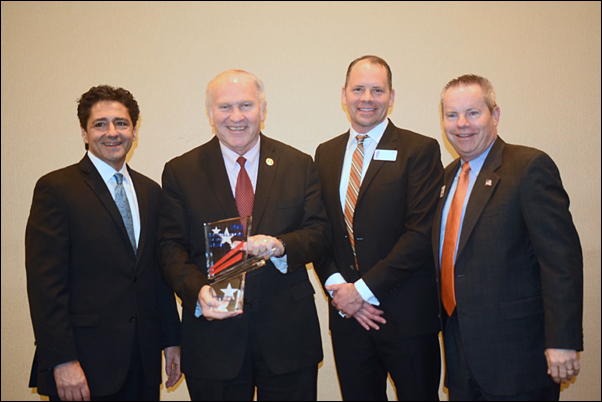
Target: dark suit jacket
{"points": [[196, 190], [87, 290], [519, 270], [392, 227]]}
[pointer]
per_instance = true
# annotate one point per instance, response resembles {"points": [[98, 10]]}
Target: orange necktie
{"points": [[452, 229], [353, 189]]}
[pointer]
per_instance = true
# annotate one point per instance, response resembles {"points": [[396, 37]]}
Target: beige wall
{"points": [[543, 59]]}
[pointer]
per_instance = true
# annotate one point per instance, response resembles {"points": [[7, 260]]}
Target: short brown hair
{"points": [[372, 60]]}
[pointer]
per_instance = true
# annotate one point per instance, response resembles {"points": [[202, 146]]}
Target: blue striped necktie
{"points": [[123, 205]]}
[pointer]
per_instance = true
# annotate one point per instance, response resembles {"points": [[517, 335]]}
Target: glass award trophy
{"points": [[227, 262]]}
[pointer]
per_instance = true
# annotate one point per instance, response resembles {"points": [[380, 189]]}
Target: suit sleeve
{"points": [[413, 250], [47, 241], [324, 266], [173, 250], [312, 239], [556, 245]]}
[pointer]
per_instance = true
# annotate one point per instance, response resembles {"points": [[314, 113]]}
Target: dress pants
{"points": [[135, 386], [365, 358], [300, 385], [460, 382]]}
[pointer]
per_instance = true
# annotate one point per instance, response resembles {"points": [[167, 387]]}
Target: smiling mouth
{"points": [[362, 109], [236, 128]]}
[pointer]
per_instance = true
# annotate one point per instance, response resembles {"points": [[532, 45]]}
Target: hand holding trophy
{"points": [[228, 262]]}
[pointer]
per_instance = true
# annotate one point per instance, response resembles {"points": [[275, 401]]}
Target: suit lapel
{"points": [[450, 173], [142, 198], [482, 191], [335, 172], [388, 141], [265, 179], [213, 163], [99, 187]]}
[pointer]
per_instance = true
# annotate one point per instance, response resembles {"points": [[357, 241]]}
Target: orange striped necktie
{"points": [[452, 229], [353, 189]]}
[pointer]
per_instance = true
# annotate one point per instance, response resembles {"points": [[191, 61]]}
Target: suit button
{"points": [[132, 320]]}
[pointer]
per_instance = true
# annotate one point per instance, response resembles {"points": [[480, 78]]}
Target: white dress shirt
{"points": [[252, 168], [370, 144], [107, 173]]}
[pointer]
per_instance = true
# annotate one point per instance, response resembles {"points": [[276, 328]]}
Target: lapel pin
{"points": [[488, 183], [442, 192], [269, 161]]}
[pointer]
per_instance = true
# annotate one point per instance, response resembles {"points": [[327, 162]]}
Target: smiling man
{"points": [[273, 345], [380, 185], [100, 310], [509, 258]]}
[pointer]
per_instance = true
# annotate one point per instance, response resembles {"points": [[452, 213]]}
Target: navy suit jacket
{"points": [[518, 271]]}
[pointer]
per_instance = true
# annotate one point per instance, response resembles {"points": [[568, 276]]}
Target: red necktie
{"points": [[355, 178], [452, 229], [244, 191]]}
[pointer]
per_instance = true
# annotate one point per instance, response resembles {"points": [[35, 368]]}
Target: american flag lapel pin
{"points": [[488, 183]]}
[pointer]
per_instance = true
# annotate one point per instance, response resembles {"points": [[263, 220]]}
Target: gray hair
{"points": [[471, 79], [210, 93]]}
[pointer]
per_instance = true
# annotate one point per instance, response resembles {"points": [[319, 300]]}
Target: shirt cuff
{"points": [[281, 263], [366, 293], [336, 279], [198, 311]]}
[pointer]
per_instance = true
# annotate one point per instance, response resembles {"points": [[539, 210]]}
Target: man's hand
{"points": [[346, 298], [563, 364], [260, 243], [172, 365], [369, 316], [71, 382], [209, 303]]}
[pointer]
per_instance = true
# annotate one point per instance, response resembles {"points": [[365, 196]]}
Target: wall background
{"points": [[543, 59]]}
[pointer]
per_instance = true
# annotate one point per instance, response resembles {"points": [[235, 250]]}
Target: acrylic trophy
{"points": [[227, 262]]}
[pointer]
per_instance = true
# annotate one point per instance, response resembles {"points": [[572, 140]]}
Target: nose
{"points": [[236, 115], [112, 129], [367, 96], [462, 121]]}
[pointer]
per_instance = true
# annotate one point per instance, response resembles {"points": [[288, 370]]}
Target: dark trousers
{"points": [[300, 385], [135, 386], [364, 359], [460, 382]]}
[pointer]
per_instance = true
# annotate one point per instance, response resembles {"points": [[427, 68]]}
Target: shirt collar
{"points": [[477, 163], [231, 157], [107, 171], [373, 135]]}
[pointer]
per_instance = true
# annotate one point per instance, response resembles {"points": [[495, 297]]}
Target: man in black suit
{"points": [[274, 344], [380, 186], [100, 310], [510, 259]]}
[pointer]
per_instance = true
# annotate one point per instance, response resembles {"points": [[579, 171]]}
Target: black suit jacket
{"points": [[519, 270], [392, 227], [196, 190], [88, 291]]}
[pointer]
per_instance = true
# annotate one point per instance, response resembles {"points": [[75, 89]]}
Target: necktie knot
{"points": [[119, 178], [465, 168], [361, 138], [241, 161]]}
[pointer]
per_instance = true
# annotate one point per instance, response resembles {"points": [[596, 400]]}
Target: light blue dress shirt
{"points": [[107, 173], [475, 168]]}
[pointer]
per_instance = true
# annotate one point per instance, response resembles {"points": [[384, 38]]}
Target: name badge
{"points": [[386, 155]]}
